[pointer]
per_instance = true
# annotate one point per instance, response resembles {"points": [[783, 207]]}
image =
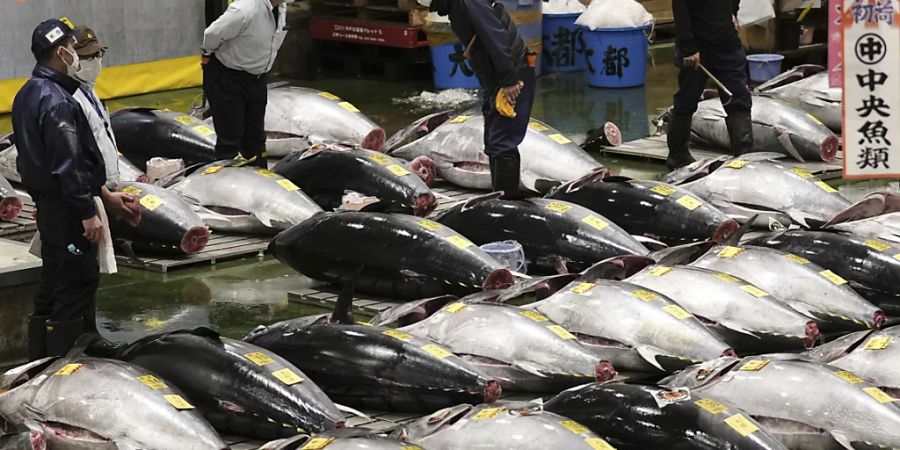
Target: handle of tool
{"points": [[716, 80]]}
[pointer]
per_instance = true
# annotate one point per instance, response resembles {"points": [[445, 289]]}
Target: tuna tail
{"points": [[616, 268], [412, 312], [682, 254], [796, 74], [542, 287], [343, 306], [784, 138], [649, 355], [842, 439], [873, 205]]}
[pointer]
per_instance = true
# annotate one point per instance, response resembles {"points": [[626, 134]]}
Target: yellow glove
{"points": [[504, 106]]}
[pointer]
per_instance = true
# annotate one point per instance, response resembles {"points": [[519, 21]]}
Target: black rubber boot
{"points": [[61, 336], [506, 177], [37, 337], [677, 140], [99, 346], [740, 132]]}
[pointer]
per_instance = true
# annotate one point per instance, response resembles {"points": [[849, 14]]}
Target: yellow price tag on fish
{"points": [[689, 202], [287, 376], [488, 413], [575, 427], [797, 259], [815, 119], [212, 170], [595, 222], [380, 159], [259, 358], [186, 120], [151, 202], [879, 395], [348, 106], [398, 335], [328, 95], [711, 405], [727, 278], [897, 256], [288, 185], [558, 207], [317, 443], [737, 164], [559, 139], [178, 402], [833, 277], [660, 271], [561, 332], [534, 315], [677, 312], [645, 295], [410, 447], [662, 189], [266, 173], [730, 252], [802, 172], [436, 351], [152, 382], [877, 245], [204, 130], [755, 365], [849, 377], [398, 170], [460, 119], [879, 343], [742, 425], [583, 288], [598, 444], [825, 187], [131, 190], [68, 369], [459, 241], [454, 307], [430, 225], [754, 291], [537, 126]]}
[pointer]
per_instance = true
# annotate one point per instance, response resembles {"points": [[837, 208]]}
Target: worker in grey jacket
{"points": [[239, 49]]}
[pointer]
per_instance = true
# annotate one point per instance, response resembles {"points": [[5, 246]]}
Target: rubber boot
{"points": [[99, 346], [677, 140], [740, 132], [61, 336], [37, 337], [506, 177]]}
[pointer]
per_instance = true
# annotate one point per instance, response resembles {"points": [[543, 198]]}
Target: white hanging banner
{"points": [[871, 30]]}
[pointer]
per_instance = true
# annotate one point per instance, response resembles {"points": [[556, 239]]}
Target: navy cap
{"points": [[50, 33]]}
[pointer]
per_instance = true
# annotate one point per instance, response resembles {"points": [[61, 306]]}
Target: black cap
{"points": [[50, 33]]}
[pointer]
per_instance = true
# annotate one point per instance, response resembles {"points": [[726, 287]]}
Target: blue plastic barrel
{"points": [[764, 66], [617, 57], [451, 70], [563, 44]]}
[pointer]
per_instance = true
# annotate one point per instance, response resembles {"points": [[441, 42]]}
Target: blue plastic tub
{"points": [[617, 57], [451, 70], [764, 66], [508, 253], [563, 43]]}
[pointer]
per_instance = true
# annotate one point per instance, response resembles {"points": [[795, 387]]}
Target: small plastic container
{"points": [[508, 253]]}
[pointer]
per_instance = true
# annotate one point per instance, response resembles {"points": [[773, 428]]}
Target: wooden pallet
{"points": [[24, 224], [449, 195], [221, 247], [324, 295]]}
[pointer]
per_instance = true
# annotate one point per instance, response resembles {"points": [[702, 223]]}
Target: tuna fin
{"points": [[734, 327], [682, 254], [265, 219], [596, 176], [803, 219], [349, 410], [616, 268], [528, 367], [616, 179], [206, 332], [802, 308], [542, 287], [785, 140], [761, 156], [735, 239], [650, 243], [343, 306], [412, 312], [650, 355], [470, 203], [842, 439]]}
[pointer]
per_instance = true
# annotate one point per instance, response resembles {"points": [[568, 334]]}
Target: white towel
{"points": [[106, 257]]}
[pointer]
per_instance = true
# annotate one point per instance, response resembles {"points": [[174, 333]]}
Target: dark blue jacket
{"points": [[499, 53], [59, 160], [705, 25]]}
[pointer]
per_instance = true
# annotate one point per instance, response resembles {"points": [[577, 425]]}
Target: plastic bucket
{"points": [[451, 70], [764, 66], [617, 57], [563, 43], [508, 253]]}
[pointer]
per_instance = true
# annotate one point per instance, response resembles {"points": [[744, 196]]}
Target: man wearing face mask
{"points": [[62, 169], [238, 51]]}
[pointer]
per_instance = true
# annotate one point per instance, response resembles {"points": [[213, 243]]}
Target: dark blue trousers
{"points": [[729, 66], [502, 135]]}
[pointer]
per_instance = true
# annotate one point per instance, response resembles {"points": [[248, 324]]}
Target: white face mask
{"points": [[72, 68], [90, 70], [425, 3]]}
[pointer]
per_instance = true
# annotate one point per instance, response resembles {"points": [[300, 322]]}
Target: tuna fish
{"points": [[507, 426], [804, 286], [457, 149], [777, 127], [792, 396], [874, 355], [648, 208], [168, 224], [239, 387], [345, 439], [806, 87], [297, 117], [246, 199], [522, 349], [870, 263], [327, 172], [396, 256], [633, 417], [79, 402], [376, 367], [747, 317], [875, 217], [143, 133], [10, 203], [754, 184], [553, 233]]}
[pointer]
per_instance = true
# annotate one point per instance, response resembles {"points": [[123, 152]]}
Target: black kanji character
{"points": [[872, 79], [614, 60], [874, 104], [874, 133], [873, 157]]}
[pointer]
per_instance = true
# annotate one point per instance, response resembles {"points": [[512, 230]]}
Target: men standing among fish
{"points": [[62, 169], [238, 51], [706, 33], [505, 68]]}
